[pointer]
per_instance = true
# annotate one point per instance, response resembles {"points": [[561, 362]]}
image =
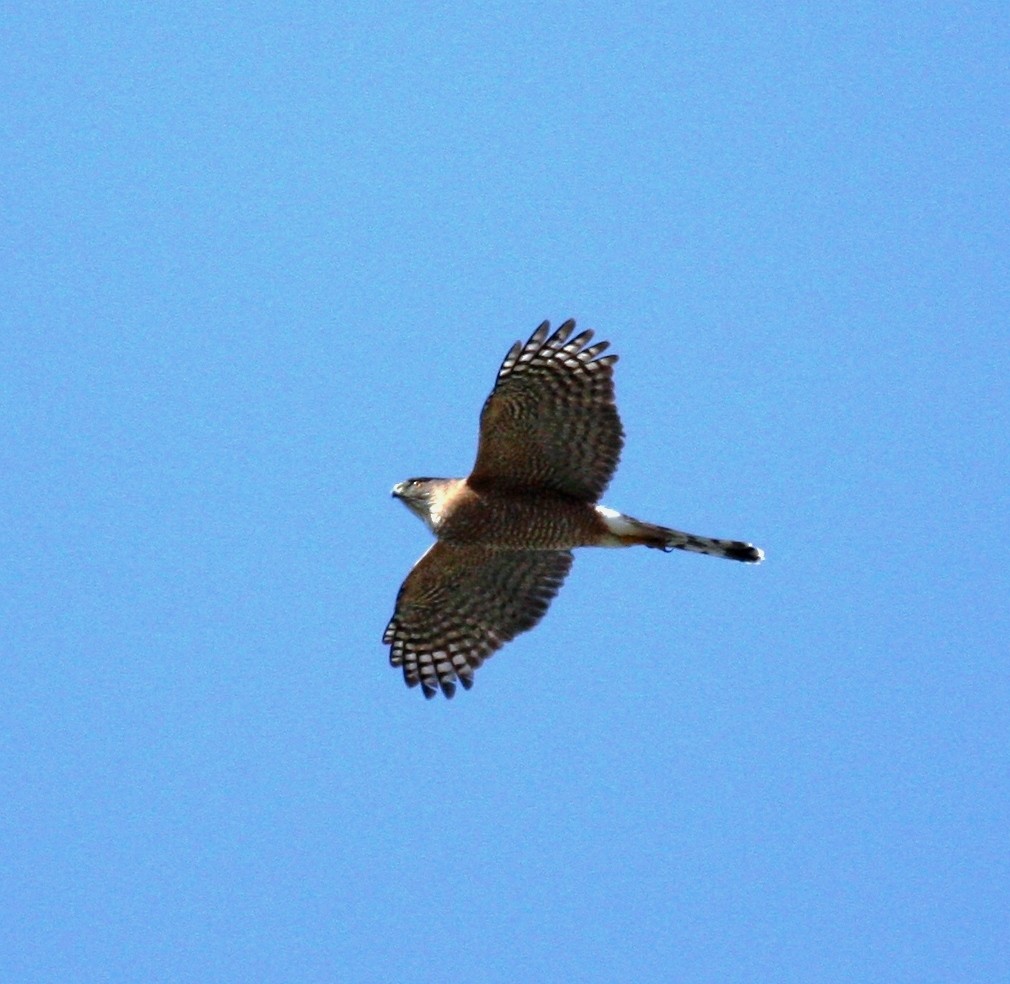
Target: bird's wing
{"points": [[551, 421], [461, 603]]}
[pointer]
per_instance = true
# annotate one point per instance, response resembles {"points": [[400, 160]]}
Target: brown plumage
{"points": [[550, 440]]}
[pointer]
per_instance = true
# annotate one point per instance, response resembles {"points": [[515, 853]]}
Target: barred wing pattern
{"points": [[460, 603], [550, 421]]}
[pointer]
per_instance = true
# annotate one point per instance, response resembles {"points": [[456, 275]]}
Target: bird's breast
{"points": [[520, 520]]}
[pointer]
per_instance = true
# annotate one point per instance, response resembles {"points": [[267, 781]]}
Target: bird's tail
{"points": [[626, 531], [731, 549]]}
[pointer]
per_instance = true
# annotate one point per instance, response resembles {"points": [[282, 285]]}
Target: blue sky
{"points": [[262, 262]]}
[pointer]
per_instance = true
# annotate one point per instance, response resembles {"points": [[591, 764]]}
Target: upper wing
{"points": [[461, 603], [550, 420]]}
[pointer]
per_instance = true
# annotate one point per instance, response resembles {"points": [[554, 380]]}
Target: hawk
{"points": [[550, 439]]}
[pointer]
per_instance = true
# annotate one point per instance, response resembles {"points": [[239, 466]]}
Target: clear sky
{"points": [[262, 261]]}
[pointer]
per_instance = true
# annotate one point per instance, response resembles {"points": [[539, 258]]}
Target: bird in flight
{"points": [[550, 439]]}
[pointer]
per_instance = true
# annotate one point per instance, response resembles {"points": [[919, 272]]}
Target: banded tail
{"points": [[625, 531]]}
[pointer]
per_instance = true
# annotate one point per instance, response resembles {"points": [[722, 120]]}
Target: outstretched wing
{"points": [[551, 421], [461, 603]]}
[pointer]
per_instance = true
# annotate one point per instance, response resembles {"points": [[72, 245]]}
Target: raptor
{"points": [[550, 439]]}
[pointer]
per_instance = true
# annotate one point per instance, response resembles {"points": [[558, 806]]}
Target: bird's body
{"points": [[550, 439], [508, 518]]}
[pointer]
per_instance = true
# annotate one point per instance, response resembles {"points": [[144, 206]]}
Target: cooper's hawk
{"points": [[550, 439]]}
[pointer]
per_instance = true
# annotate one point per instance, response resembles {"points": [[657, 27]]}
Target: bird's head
{"points": [[423, 497]]}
